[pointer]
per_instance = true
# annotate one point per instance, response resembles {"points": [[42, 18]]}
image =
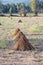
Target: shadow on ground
{"points": [[37, 43]]}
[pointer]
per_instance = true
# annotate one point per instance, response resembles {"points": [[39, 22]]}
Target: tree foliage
{"points": [[23, 9], [1, 7], [34, 6]]}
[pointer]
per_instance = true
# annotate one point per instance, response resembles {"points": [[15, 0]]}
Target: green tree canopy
{"points": [[1, 7], [10, 10], [22, 9], [34, 6]]}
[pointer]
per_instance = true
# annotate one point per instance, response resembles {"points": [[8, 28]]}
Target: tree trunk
{"points": [[36, 13], [24, 14]]}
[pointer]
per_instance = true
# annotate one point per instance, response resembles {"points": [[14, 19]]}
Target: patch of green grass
{"points": [[40, 27], [32, 29], [2, 44], [35, 30]]}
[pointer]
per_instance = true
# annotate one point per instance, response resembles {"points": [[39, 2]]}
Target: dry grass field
{"points": [[29, 25], [32, 27]]}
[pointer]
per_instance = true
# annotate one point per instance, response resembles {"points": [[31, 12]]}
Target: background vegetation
{"points": [[21, 8]]}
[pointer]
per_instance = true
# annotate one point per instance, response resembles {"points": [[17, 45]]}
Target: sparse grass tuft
{"points": [[40, 27], [10, 52], [2, 44]]}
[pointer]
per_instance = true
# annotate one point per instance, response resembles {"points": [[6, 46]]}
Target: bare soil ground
{"points": [[21, 57]]}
